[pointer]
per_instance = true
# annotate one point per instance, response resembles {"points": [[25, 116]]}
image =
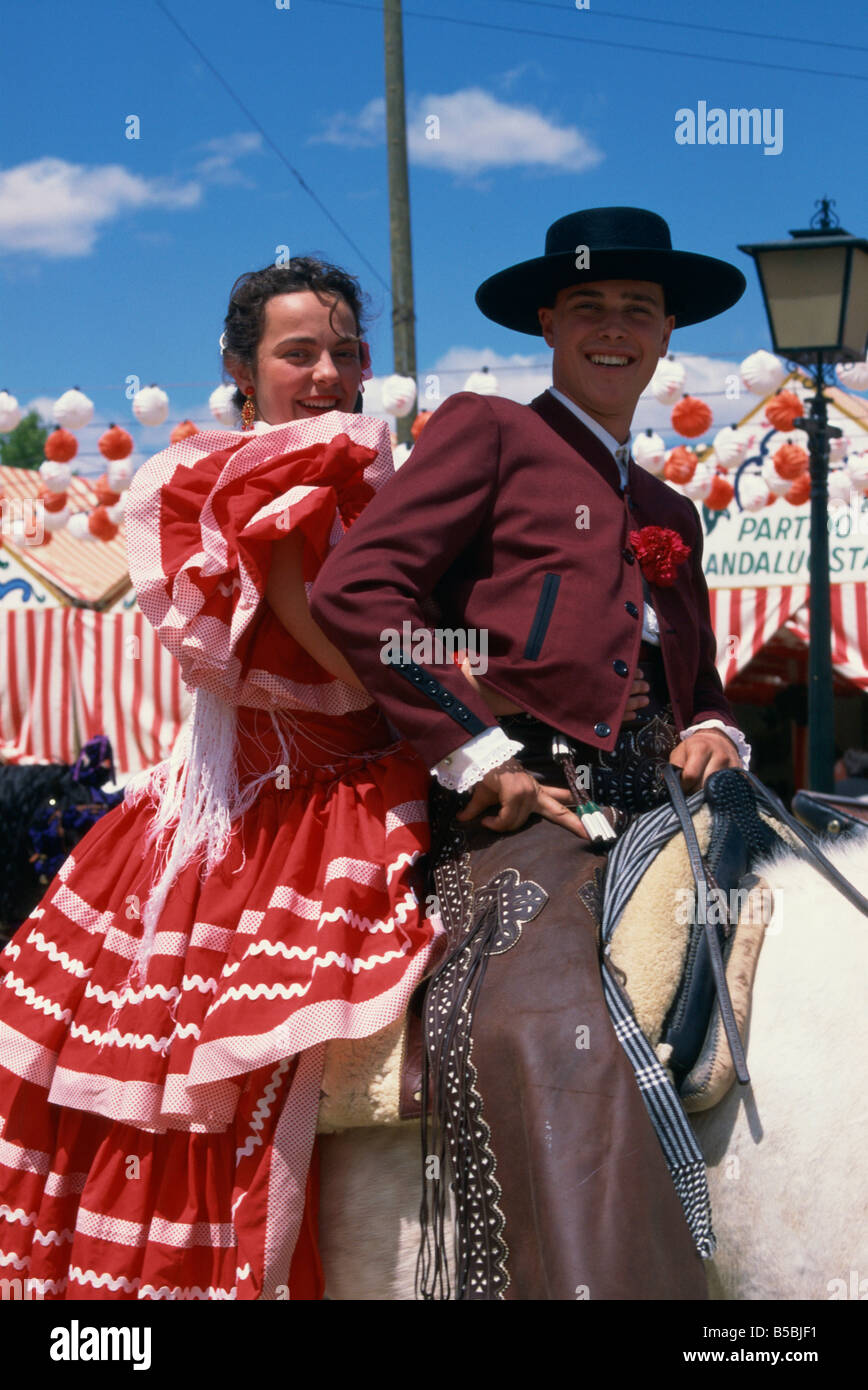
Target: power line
{"points": [[604, 43], [273, 147], [812, 42]]}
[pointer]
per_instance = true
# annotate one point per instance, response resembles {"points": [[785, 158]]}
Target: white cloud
{"points": [[520, 375], [366, 129], [223, 154], [58, 209], [469, 131], [44, 407], [478, 132]]}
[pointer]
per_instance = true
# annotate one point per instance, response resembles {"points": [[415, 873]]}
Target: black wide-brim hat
{"points": [[623, 244]]}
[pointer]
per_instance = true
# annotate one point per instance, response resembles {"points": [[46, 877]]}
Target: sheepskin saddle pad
{"points": [[653, 934]]}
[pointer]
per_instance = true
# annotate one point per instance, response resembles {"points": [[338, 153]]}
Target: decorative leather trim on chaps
{"points": [[479, 923]]}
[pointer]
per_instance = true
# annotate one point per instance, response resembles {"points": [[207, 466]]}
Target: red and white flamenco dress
{"points": [[164, 1010]]}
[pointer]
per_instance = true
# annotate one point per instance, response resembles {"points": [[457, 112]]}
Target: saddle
{"points": [[688, 981], [689, 976]]}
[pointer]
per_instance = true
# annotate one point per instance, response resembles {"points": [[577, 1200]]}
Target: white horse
{"points": [[787, 1175]]}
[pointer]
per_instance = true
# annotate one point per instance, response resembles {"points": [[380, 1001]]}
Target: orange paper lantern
{"points": [[720, 494], [790, 461], [52, 501], [680, 466], [116, 443], [61, 446], [800, 490], [183, 431], [691, 417], [420, 422], [100, 524], [105, 495], [783, 409]]}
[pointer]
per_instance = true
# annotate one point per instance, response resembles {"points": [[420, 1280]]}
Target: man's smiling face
{"points": [[608, 337]]}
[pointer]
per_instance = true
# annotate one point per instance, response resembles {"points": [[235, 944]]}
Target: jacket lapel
{"points": [[578, 436]]}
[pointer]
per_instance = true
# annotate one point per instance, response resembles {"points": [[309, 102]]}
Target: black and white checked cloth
{"points": [[627, 862]]}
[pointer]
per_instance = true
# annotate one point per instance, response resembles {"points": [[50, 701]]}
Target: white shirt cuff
{"points": [[461, 770], [731, 732]]}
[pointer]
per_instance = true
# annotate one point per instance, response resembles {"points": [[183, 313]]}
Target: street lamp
{"points": [[815, 290]]}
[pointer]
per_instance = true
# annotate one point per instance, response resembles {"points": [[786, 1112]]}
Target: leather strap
{"points": [[697, 865], [813, 854]]}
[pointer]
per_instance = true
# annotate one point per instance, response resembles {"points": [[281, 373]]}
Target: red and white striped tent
{"points": [[77, 657], [773, 545]]}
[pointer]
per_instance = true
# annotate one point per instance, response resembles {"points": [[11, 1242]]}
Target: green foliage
{"points": [[24, 447]]}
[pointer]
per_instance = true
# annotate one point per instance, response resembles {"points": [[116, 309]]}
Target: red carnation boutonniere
{"points": [[659, 552]]}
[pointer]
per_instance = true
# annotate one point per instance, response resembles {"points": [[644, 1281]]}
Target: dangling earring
{"points": [[248, 411]]}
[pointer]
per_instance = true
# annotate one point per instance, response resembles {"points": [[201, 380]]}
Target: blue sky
{"points": [[117, 255]]}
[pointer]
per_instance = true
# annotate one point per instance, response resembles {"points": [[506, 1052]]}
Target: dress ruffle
{"points": [[157, 1134], [201, 518]]}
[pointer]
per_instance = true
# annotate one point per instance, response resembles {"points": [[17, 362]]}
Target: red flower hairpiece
{"points": [[659, 552]]}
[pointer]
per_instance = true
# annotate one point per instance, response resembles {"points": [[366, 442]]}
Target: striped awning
{"points": [[745, 620], [71, 673]]}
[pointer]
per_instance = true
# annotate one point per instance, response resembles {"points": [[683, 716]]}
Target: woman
{"points": [[165, 1009]]}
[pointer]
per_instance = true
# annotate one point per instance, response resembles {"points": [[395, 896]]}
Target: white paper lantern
{"points": [[667, 383], [55, 521], [10, 412], [840, 485], [699, 486], [762, 372], [151, 406], [73, 410], [753, 493], [117, 509], [398, 395], [222, 407], [120, 474], [401, 453], [484, 383], [56, 476], [857, 467], [649, 451], [853, 376], [774, 482], [78, 528], [752, 437], [730, 447]]}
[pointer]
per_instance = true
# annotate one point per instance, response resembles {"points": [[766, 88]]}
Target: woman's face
{"points": [[308, 359]]}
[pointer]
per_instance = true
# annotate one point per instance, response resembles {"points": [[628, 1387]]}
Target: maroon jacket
{"points": [[483, 517]]}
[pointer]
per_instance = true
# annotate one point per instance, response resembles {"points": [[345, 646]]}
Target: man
{"points": [[528, 524]]}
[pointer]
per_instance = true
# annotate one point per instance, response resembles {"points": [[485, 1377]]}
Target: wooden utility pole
{"points": [[403, 312]]}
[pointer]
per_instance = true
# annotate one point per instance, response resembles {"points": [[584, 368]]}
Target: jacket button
{"points": [[632, 610], [620, 668], [602, 729], [629, 557]]}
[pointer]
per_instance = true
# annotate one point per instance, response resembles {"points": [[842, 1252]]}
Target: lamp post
{"points": [[815, 291]]}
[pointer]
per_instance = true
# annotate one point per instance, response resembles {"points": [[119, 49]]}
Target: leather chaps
{"points": [[561, 1187]]}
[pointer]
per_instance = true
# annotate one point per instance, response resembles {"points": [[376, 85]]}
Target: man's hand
{"points": [[520, 796], [706, 751], [637, 698]]}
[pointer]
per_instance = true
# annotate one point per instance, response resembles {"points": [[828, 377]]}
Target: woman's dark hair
{"points": [[245, 317]]}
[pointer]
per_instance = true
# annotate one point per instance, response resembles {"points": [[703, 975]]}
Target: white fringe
{"points": [[198, 799]]}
